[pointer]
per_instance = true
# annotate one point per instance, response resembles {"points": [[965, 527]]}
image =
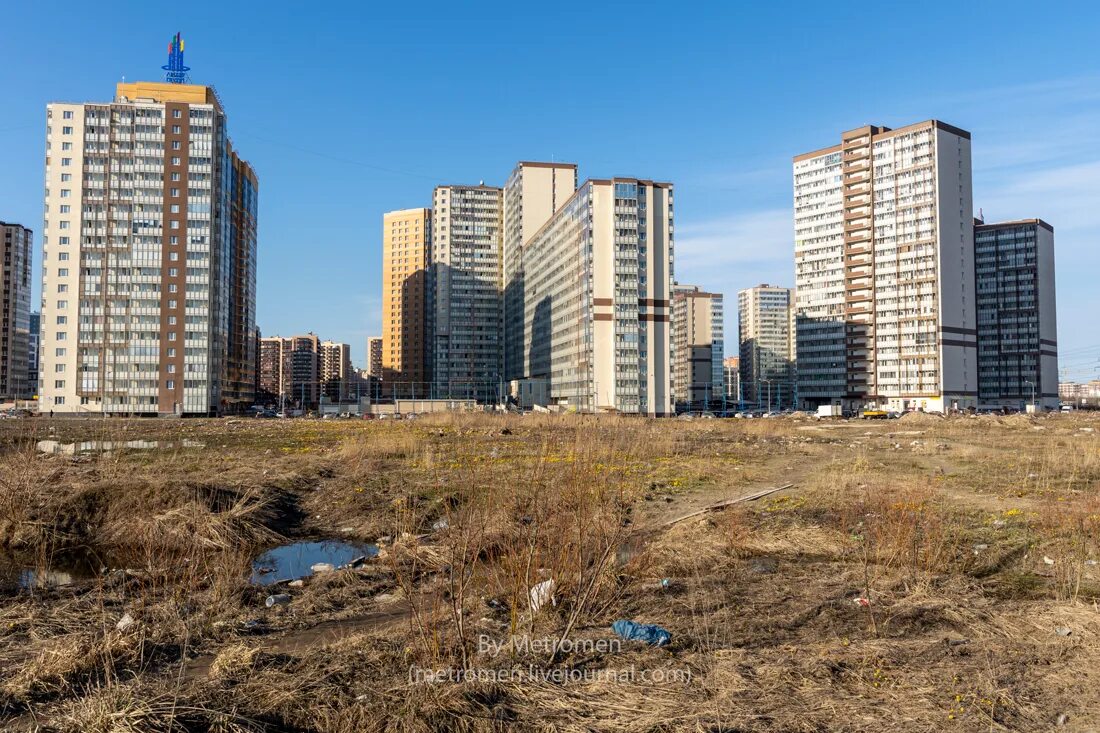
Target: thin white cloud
{"points": [[735, 251]]}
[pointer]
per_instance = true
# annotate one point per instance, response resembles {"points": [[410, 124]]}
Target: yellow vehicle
{"points": [[875, 414]]}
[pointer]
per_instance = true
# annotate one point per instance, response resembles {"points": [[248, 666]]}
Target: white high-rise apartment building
{"points": [[884, 270], [149, 257], [533, 192], [597, 285], [766, 336], [466, 286]]}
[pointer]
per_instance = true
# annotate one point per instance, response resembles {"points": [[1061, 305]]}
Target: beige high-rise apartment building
{"points": [[884, 270], [15, 311], [406, 252], [698, 343], [597, 285], [374, 356], [149, 256], [766, 346], [533, 192], [466, 291]]}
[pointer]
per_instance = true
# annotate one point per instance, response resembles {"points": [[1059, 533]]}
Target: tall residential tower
{"points": [[884, 270], [698, 377], [597, 285], [15, 312], [467, 317], [149, 256], [1017, 325], [406, 249], [766, 331]]}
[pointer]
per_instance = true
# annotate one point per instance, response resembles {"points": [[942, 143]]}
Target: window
{"points": [[175, 145], [66, 161], [62, 256], [66, 130], [175, 209], [58, 368], [171, 368], [175, 160], [67, 114], [171, 352], [175, 129], [60, 335], [64, 208], [62, 240], [66, 146], [171, 384], [59, 384], [65, 193], [62, 288], [173, 256], [175, 176], [171, 335], [176, 114], [62, 304], [59, 351], [174, 224], [173, 239], [66, 177], [62, 225], [59, 400], [175, 192]]}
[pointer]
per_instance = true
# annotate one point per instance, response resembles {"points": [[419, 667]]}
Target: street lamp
{"points": [[769, 383], [1033, 407]]}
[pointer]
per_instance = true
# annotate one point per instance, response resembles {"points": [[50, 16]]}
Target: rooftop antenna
{"points": [[176, 71]]}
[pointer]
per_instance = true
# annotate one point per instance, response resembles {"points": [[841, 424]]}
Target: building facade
{"points": [[149, 252], [597, 288], [884, 270], [698, 376], [291, 369], [533, 192], [336, 373], [731, 365], [466, 293], [32, 354], [406, 347], [374, 356], [15, 311], [765, 316], [1017, 324]]}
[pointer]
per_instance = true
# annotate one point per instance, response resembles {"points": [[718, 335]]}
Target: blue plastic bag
{"points": [[649, 633]]}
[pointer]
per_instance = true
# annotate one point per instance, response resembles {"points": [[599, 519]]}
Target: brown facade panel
{"points": [[173, 293]]}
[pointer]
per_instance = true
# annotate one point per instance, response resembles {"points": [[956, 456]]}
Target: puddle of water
{"points": [[295, 560], [102, 446], [58, 572]]}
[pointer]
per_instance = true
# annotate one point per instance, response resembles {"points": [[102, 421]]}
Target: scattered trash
{"points": [[505, 431], [440, 524], [980, 548], [542, 594], [1090, 562], [279, 599], [1061, 720], [1063, 630], [999, 523], [865, 602], [322, 567], [649, 633], [956, 642], [665, 584], [1047, 560], [125, 622], [296, 583]]}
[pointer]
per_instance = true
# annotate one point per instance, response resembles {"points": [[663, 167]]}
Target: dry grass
{"points": [[973, 541]]}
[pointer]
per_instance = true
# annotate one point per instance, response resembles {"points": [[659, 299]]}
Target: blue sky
{"points": [[348, 110]]}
